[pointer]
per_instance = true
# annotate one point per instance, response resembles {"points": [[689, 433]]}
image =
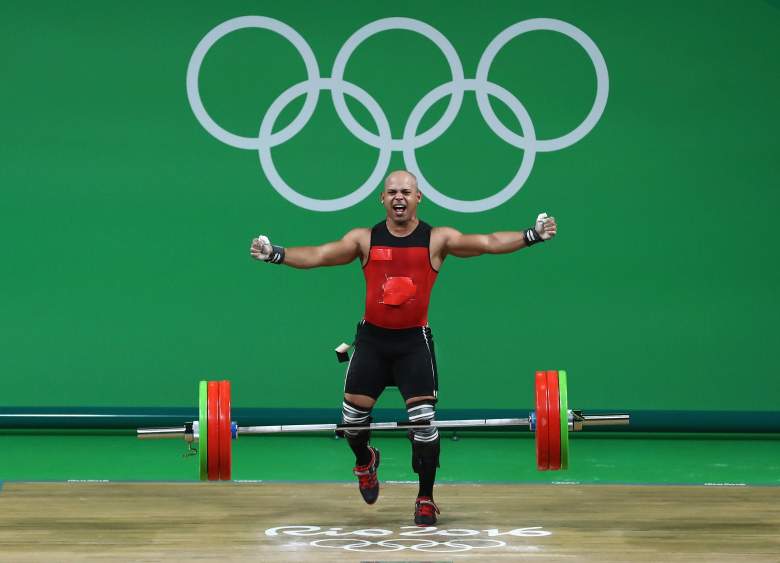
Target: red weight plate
{"points": [[225, 438], [554, 410], [213, 430], [542, 423]]}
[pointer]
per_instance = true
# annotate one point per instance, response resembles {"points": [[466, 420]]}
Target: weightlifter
{"points": [[401, 257]]}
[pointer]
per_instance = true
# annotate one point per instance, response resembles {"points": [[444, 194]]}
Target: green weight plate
{"points": [[564, 419], [203, 430]]}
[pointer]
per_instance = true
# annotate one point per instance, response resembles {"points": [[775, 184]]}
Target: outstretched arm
{"points": [[335, 253], [464, 246]]}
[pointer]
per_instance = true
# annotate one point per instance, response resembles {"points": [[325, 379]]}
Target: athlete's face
{"points": [[400, 197]]}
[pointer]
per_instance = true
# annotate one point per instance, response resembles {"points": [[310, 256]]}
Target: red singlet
{"points": [[399, 278]]}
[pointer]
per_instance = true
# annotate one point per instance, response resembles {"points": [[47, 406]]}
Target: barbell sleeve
{"points": [[161, 433], [606, 419]]}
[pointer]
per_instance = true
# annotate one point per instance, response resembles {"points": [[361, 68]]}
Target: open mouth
{"points": [[399, 209]]}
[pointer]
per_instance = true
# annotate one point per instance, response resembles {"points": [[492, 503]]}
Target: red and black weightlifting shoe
{"points": [[425, 511], [367, 478]]}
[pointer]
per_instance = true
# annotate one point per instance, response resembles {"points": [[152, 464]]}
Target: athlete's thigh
{"points": [[368, 372], [415, 372]]}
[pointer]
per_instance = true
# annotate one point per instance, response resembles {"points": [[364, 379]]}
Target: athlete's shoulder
{"points": [[359, 234], [443, 233]]}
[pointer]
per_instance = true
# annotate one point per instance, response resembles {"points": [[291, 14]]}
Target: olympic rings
{"points": [[429, 546], [410, 140]]}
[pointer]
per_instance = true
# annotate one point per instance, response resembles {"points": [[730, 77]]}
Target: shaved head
{"points": [[401, 178]]}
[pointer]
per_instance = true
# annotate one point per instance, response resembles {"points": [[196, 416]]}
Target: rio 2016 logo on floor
{"points": [[411, 139], [379, 540]]}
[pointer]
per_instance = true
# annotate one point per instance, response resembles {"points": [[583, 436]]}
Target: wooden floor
{"points": [[328, 522]]}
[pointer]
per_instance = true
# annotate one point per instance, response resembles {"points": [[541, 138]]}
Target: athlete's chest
{"points": [[393, 257]]}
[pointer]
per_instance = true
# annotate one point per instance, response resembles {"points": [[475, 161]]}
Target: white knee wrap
{"points": [[352, 414], [420, 413]]}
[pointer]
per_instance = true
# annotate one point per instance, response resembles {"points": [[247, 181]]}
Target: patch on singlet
{"points": [[382, 254], [398, 290]]}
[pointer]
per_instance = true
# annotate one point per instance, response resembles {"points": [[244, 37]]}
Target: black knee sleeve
{"points": [[425, 456]]}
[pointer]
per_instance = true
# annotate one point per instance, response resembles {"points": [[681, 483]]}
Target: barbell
{"points": [[215, 430]]}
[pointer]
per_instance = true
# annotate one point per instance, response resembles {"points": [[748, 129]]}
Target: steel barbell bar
{"points": [[215, 430]]}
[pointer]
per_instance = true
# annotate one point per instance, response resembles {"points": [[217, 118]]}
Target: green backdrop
{"points": [[126, 225]]}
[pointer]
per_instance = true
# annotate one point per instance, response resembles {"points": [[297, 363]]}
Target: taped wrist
{"points": [[532, 237], [277, 255]]}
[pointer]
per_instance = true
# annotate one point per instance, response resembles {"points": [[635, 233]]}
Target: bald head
{"points": [[401, 179]]}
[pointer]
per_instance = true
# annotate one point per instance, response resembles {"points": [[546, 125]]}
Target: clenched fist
{"points": [[545, 226], [262, 249]]}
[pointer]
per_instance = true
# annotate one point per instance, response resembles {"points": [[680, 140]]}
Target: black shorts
{"points": [[384, 357]]}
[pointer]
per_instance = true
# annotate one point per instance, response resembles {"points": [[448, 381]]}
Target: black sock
{"points": [[425, 460], [427, 478], [359, 446]]}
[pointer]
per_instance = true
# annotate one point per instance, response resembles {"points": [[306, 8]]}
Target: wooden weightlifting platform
{"points": [[328, 522]]}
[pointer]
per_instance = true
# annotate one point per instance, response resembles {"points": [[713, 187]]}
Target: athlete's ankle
{"points": [[362, 455]]}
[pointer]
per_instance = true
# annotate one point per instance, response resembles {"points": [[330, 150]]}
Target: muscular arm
{"points": [[464, 246], [335, 253], [445, 240]]}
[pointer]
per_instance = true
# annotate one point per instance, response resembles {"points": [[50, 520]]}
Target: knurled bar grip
{"points": [[383, 426]]}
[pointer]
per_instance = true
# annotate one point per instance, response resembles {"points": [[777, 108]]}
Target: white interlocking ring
{"points": [[261, 22], [456, 69], [411, 140], [324, 204], [514, 184], [602, 84]]}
